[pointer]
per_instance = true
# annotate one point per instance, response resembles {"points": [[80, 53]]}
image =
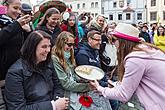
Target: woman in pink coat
{"points": [[141, 70]]}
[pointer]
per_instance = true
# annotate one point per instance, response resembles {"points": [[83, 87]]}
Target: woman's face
{"points": [[100, 20], [42, 50], [69, 44], [13, 9], [53, 20], [161, 30], [72, 21]]}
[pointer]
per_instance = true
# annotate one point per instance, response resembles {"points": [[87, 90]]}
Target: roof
{"points": [[128, 9]]}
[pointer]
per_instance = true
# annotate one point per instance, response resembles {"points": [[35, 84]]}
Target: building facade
{"points": [[80, 6], [127, 11], [156, 11]]}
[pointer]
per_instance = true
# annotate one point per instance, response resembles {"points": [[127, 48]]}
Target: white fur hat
{"points": [[127, 31]]}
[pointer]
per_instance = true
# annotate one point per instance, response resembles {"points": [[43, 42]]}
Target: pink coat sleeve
{"points": [[134, 70]]}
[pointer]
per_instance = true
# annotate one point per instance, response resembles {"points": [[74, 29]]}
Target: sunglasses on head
{"points": [[70, 44]]}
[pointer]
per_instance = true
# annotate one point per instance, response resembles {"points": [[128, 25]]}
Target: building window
{"points": [[153, 2], [119, 16], [114, 4], [96, 4], [153, 16], [92, 14], [92, 5], [163, 15], [70, 6], [128, 16], [121, 4], [96, 14], [83, 5], [139, 16], [110, 17], [78, 6]]}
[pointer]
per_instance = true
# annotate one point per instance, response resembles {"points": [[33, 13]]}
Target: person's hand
{"points": [[91, 87], [24, 19], [95, 84], [61, 103], [110, 84], [26, 27]]}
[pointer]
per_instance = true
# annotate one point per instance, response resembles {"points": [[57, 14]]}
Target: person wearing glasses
{"points": [[64, 64], [140, 72], [88, 54]]}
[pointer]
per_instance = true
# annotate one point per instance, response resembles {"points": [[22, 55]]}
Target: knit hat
{"points": [[26, 7], [127, 32]]}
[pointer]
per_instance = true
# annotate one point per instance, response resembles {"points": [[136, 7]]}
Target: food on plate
{"points": [[85, 70]]}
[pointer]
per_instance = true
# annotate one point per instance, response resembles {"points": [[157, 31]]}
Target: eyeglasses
{"points": [[95, 39], [70, 44]]}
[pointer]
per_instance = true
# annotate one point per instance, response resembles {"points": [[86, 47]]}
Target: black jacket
{"points": [[54, 34], [11, 40], [26, 89], [145, 36]]}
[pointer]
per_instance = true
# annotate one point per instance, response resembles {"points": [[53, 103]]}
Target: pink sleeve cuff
{"points": [[100, 89], [53, 105]]}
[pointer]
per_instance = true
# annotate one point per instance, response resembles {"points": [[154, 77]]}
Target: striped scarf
{"points": [[5, 20]]}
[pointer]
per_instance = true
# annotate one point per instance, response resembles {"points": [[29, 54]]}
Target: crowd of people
{"points": [[38, 61]]}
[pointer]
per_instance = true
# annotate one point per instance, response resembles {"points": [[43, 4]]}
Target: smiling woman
{"points": [[31, 82], [50, 23], [12, 35]]}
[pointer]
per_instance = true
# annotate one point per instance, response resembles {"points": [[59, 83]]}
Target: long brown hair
{"points": [[47, 14], [58, 49], [126, 47]]}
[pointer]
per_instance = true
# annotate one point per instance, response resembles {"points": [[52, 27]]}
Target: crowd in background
{"points": [[37, 62]]}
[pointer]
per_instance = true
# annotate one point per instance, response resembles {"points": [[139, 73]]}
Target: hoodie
{"points": [[145, 76]]}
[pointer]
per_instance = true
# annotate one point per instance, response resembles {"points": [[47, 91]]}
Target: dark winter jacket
{"points": [[145, 36], [54, 34], [11, 40], [26, 89], [86, 55]]}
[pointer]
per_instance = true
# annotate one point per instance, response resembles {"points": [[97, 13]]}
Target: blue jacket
{"points": [[86, 55]]}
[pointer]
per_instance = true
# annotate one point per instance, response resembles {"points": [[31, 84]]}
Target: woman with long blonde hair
{"points": [[64, 64]]}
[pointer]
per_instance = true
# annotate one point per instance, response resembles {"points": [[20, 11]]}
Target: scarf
{"points": [[5, 20]]}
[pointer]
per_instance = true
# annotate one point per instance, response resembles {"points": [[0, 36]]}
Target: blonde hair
{"points": [[58, 48]]}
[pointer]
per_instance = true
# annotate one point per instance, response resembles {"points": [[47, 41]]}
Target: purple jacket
{"points": [[145, 76]]}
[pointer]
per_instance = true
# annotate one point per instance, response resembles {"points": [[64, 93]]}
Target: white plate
{"points": [[95, 73]]}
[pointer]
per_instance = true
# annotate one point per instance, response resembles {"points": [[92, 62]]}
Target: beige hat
{"points": [[126, 31]]}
